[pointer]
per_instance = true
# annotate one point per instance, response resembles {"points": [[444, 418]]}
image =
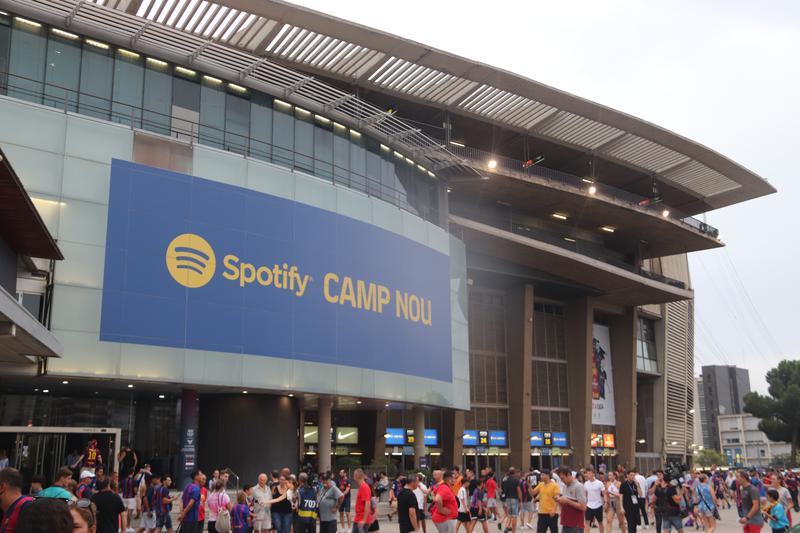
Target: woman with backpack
{"points": [[218, 503]]}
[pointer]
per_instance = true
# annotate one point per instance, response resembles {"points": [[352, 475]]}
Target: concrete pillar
{"points": [[452, 437], [578, 325], [419, 434], [378, 444], [324, 410], [623, 353], [190, 408], [519, 320]]}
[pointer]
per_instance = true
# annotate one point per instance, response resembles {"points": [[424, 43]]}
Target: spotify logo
{"points": [[190, 260]]}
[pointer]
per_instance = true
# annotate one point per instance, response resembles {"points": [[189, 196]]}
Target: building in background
{"points": [[291, 238], [724, 388], [746, 445]]}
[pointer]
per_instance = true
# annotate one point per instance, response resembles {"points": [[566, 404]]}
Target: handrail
{"points": [[206, 135], [482, 157]]}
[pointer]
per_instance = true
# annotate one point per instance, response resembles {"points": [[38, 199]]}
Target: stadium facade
{"points": [[278, 225]]}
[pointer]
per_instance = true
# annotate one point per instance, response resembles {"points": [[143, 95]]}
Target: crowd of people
{"points": [[284, 502]]}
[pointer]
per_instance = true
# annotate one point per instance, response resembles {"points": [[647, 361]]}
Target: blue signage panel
{"points": [[537, 438], [431, 437], [559, 439], [470, 437], [497, 438], [192, 263], [395, 436]]}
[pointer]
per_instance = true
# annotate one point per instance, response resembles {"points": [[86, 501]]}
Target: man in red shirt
{"points": [[491, 494], [201, 510], [364, 512], [445, 509]]}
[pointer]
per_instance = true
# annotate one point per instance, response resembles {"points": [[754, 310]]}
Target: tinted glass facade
{"points": [[57, 68]]}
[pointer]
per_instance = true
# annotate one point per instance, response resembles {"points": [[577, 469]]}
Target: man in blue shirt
{"points": [[191, 505]]}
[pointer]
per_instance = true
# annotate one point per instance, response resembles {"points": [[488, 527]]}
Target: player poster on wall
{"points": [[602, 378]]}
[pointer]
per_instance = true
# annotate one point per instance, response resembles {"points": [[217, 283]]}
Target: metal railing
{"points": [[71, 100], [512, 223], [480, 159]]}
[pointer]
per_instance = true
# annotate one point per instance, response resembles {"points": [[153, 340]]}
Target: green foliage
{"points": [[780, 411], [710, 457]]}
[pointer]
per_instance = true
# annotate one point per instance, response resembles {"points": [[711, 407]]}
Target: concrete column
{"points": [[378, 445], [452, 437], [190, 408], [324, 409], [519, 313], [578, 323], [623, 353], [419, 434]]}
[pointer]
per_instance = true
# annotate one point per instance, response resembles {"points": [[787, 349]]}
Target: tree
{"points": [[780, 411], [710, 457]]}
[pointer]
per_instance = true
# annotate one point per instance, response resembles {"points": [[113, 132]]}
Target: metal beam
{"points": [[296, 86], [73, 12]]}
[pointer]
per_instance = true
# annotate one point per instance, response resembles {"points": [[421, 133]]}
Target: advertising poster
{"points": [[602, 378]]}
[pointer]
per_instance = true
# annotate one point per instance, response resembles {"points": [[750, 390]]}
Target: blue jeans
{"points": [[282, 522]]}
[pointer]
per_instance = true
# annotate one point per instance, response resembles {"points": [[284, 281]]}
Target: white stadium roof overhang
{"points": [[250, 37]]}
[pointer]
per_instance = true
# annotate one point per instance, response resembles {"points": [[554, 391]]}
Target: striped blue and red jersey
{"points": [[127, 488]]}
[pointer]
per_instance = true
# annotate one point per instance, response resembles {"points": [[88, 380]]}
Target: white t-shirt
{"points": [[594, 493], [462, 499], [642, 482], [419, 492]]}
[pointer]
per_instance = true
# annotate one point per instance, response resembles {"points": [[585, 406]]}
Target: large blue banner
{"points": [[193, 263]]}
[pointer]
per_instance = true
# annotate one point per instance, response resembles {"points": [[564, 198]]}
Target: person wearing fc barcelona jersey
{"points": [[85, 488], [164, 509], [190, 517], [12, 502], [91, 457], [127, 491]]}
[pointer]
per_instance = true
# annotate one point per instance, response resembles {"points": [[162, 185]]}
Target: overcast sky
{"points": [[724, 73]]}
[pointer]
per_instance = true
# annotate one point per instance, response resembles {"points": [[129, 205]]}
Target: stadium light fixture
{"points": [[592, 190], [31, 23], [64, 34], [97, 44], [559, 216], [492, 164]]}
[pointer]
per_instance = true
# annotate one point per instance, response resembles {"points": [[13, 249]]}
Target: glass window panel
{"points": [[341, 155], [261, 126], [358, 162], [128, 89], [157, 97], [304, 141], [26, 62], [5, 49], [283, 135], [237, 123], [212, 114], [323, 151], [390, 185], [372, 168], [62, 72], [186, 93], [97, 71]]}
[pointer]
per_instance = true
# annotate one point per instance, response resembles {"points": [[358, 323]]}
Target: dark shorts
{"points": [[163, 520], [594, 514], [463, 517], [345, 508]]}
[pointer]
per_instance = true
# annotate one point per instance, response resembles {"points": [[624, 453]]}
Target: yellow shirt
{"points": [[547, 493]]}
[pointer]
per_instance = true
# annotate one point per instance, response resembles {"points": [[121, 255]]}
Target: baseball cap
{"points": [[86, 473]]}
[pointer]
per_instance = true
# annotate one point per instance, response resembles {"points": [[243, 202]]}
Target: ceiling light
{"points": [[161, 396], [31, 23], [398, 154], [127, 53], [569, 239], [237, 88], [338, 126], [156, 62], [65, 34], [431, 174], [455, 143], [46, 391], [559, 216], [244, 392], [592, 189], [421, 168], [691, 411], [96, 44], [354, 133], [211, 79], [65, 382], [409, 160], [449, 189], [358, 402], [35, 390], [326, 120], [641, 441], [301, 111], [130, 385], [386, 404], [492, 163], [291, 395], [674, 443], [665, 213], [186, 71], [3, 13], [608, 229], [587, 180]]}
